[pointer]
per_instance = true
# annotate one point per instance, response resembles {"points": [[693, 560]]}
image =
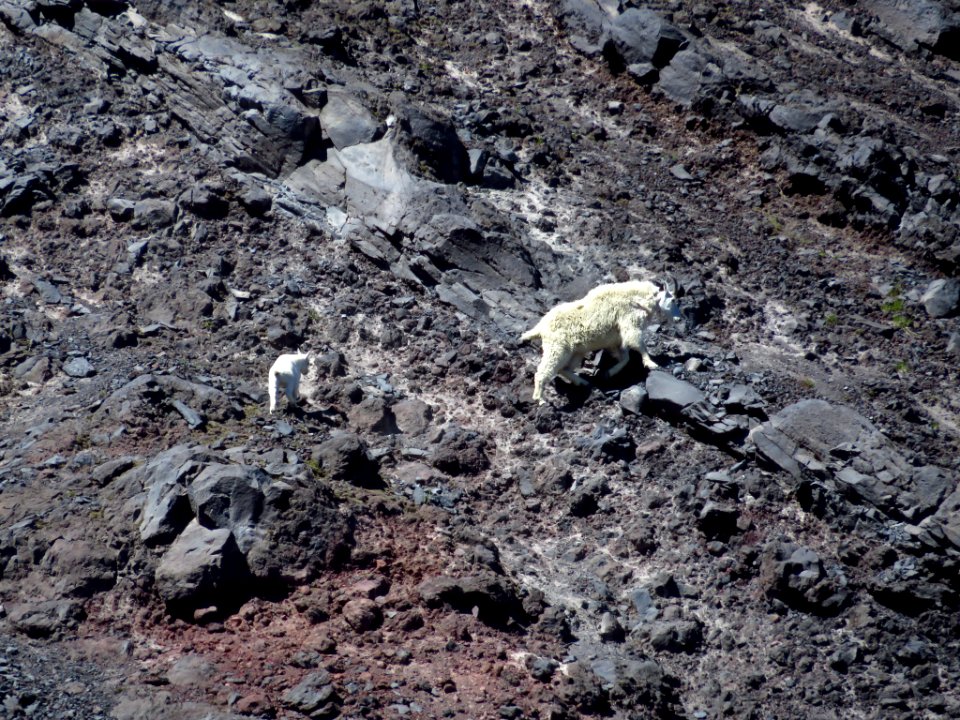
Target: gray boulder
{"points": [[689, 73], [79, 568], [230, 497], [47, 618], [413, 416], [202, 567], [797, 576], [675, 636], [495, 601], [633, 399], [154, 213], [345, 457], [643, 36], [942, 297], [301, 531], [78, 367]]}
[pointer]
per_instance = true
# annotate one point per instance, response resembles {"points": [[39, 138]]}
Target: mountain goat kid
{"points": [[285, 373], [610, 317]]}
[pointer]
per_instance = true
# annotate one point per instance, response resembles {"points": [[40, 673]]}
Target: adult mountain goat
{"points": [[610, 317], [285, 375]]}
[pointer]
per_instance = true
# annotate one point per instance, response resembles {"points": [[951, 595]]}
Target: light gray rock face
{"points": [[917, 25], [835, 445], [202, 567], [364, 180], [347, 121], [164, 478], [230, 497], [681, 400]]}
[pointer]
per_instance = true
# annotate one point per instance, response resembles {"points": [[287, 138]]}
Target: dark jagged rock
{"points": [[165, 477], [922, 25], [816, 438], [797, 575], [458, 451], [671, 393], [315, 696], [300, 533], [609, 444], [676, 636], [633, 399], [345, 457], [493, 598], [718, 521], [582, 691]]}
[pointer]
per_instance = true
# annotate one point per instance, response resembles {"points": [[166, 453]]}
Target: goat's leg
{"points": [[292, 388], [648, 361], [633, 340], [569, 371], [272, 389], [623, 357], [553, 362]]}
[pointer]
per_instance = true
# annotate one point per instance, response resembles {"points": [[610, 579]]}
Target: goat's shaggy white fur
{"points": [[285, 373], [610, 317]]}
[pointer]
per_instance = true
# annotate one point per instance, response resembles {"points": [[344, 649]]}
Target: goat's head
{"points": [[667, 300]]}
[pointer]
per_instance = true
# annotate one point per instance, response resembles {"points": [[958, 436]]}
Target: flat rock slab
{"points": [[670, 392]]}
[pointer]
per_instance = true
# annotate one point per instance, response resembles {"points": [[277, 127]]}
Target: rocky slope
{"points": [[765, 527]]}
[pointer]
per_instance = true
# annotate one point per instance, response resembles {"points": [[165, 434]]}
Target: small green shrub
{"points": [[895, 306]]}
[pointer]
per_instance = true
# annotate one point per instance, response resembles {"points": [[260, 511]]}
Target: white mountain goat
{"points": [[610, 317], [285, 373]]}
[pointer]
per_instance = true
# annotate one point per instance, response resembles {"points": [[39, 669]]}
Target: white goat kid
{"points": [[285, 373], [610, 317]]}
